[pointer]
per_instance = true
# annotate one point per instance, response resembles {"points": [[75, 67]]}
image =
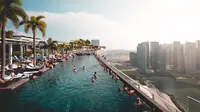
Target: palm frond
{"points": [[42, 24], [42, 27], [33, 18], [28, 26], [42, 30], [14, 19], [38, 18], [16, 2], [18, 11]]}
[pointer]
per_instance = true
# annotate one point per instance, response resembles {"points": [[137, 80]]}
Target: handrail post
{"points": [[188, 104]]}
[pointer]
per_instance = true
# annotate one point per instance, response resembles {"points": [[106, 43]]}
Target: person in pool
{"points": [[74, 68], [83, 68], [93, 80], [119, 88], [95, 75]]}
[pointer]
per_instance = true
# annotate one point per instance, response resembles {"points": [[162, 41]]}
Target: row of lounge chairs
{"points": [[25, 70]]}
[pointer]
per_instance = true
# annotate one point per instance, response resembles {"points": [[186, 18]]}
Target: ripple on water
{"points": [[62, 90]]}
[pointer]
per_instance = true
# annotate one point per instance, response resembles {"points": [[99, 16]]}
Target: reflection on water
{"points": [[177, 88]]}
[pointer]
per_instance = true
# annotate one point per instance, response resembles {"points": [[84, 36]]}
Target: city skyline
{"points": [[119, 22]]}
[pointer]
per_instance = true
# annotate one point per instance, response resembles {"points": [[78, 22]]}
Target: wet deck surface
{"points": [[14, 85]]}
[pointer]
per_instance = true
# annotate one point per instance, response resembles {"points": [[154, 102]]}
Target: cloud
{"points": [[70, 25]]}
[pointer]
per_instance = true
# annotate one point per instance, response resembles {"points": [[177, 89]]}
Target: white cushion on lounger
{"points": [[27, 66], [18, 75], [30, 64], [14, 66], [7, 77]]}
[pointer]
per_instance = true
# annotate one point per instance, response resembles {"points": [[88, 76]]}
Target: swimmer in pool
{"points": [[93, 80], [125, 88], [130, 92], [116, 78], [119, 88], [95, 75], [74, 68], [138, 102], [83, 68]]}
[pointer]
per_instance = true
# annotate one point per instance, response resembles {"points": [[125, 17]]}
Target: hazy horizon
{"points": [[118, 24]]}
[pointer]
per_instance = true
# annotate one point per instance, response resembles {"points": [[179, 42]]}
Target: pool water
{"points": [[62, 90]]}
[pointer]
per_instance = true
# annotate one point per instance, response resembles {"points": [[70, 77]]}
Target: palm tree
{"points": [[9, 33], [87, 42], [35, 23], [62, 47], [9, 10], [50, 45]]}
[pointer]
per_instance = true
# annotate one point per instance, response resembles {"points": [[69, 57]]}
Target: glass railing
{"points": [[144, 90]]}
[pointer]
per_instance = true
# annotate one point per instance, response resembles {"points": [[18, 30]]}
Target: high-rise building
{"points": [[175, 46], [162, 58], [95, 42], [146, 44], [169, 57], [154, 55], [142, 57], [198, 54], [133, 58], [180, 59], [190, 57], [169, 54], [177, 57]]}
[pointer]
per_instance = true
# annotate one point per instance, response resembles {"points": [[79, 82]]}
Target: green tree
{"points": [[62, 47], [87, 42], [50, 45], [35, 23], [9, 33], [9, 10]]}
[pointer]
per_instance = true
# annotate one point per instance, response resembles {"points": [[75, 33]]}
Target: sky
{"points": [[119, 24]]}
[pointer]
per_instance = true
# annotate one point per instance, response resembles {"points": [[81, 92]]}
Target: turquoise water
{"points": [[62, 90]]}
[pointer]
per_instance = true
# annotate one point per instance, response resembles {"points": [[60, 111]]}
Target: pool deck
{"points": [[14, 85]]}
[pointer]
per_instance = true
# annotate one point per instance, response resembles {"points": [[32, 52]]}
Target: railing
{"points": [[152, 96], [193, 104]]}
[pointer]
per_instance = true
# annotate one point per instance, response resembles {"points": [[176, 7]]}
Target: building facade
{"points": [[133, 58], [198, 54], [162, 58], [190, 57], [142, 57], [95, 42], [180, 59], [154, 55]]}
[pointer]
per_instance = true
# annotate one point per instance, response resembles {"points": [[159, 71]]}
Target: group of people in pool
{"points": [[75, 70], [125, 88], [94, 78]]}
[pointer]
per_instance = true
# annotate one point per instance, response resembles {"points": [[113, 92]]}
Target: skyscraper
{"points": [[175, 46], [133, 58], [169, 54], [162, 58], [180, 59], [198, 54], [190, 57], [154, 55], [143, 56]]}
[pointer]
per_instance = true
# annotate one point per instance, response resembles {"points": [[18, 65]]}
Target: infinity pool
{"points": [[62, 90]]}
